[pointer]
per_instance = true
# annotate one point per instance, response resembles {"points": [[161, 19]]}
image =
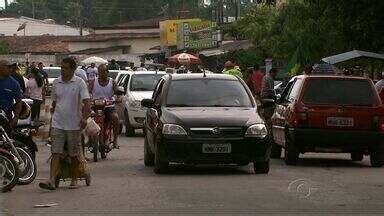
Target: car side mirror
{"points": [[148, 103]]}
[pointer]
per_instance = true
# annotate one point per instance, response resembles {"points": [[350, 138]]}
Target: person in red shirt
{"points": [[257, 79]]}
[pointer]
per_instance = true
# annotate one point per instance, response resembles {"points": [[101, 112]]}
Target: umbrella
{"points": [[184, 58], [94, 59], [324, 69]]}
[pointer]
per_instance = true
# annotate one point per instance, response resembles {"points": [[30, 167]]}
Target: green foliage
{"points": [[4, 48], [244, 58], [318, 27]]}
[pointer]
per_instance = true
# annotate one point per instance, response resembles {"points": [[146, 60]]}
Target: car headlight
{"points": [[257, 130], [172, 129]]}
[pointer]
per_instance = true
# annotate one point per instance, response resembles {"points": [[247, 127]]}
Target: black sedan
{"points": [[204, 119]]}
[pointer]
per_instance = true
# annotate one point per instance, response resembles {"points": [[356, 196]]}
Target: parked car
{"points": [[200, 119], [113, 74], [53, 73], [333, 114], [138, 85], [121, 74]]}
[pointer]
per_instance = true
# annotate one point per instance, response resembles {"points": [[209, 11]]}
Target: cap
{"points": [[5, 63]]}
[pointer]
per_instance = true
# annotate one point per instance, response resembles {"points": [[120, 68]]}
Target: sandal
{"points": [[47, 186]]}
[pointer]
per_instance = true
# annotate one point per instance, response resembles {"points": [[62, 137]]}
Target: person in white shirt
{"points": [[105, 87], [92, 72], [71, 108], [82, 74], [34, 90]]}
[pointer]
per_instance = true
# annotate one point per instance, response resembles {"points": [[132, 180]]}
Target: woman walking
{"points": [[34, 89]]}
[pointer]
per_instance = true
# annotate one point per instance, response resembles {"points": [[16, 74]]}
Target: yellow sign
{"points": [[169, 31]]}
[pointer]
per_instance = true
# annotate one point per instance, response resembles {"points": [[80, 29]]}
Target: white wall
{"points": [[114, 31], [46, 59], [9, 26], [137, 45]]}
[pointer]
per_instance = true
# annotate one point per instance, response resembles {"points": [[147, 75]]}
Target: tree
{"points": [[317, 27]]}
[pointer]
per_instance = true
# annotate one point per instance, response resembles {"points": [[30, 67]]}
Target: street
{"points": [[121, 185]]}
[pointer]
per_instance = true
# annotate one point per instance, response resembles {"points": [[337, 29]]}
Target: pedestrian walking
{"points": [[17, 76], [268, 97], [71, 108], [257, 81], [34, 90], [113, 65], [308, 70], [92, 72]]}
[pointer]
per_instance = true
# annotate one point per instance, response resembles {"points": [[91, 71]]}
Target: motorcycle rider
{"points": [[10, 92], [105, 87]]}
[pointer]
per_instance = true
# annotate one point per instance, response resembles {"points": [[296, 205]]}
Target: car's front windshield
{"points": [[144, 82], [207, 93], [53, 73]]}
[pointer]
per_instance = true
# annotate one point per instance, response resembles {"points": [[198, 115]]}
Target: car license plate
{"points": [[340, 122], [217, 148]]}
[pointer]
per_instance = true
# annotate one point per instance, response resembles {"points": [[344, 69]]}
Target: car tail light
{"points": [[300, 120], [378, 123]]}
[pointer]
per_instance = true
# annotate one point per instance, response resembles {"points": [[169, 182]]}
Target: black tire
{"points": [[357, 156], [377, 159], [29, 175], [8, 162], [149, 157], [161, 164], [291, 153], [129, 130], [261, 167], [88, 180]]}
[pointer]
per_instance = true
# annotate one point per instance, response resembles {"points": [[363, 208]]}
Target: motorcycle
{"points": [[104, 140], [101, 142], [20, 145], [24, 131], [9, 166]]}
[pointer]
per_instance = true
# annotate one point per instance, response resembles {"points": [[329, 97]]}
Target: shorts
{"points": [[65, 142]]}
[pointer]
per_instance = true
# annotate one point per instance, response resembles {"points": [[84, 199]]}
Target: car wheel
{"points": [[261, 167], [357, 156], [161, 164], [377, 159], [148, 155], [291, 153], [129, 130]]}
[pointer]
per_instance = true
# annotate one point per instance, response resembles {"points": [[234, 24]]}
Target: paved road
{"points": [[123, 185]]}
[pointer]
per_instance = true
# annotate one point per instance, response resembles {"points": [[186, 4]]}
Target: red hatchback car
{"points": [[330, 114]]}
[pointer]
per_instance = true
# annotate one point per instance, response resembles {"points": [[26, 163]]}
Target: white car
{"points": [[138, 85], [53, 73], [121, 74]]}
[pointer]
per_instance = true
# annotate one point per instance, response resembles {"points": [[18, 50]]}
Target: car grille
{"points": [[222, 132]]}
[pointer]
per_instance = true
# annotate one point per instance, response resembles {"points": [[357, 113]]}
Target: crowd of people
{"points": [[71, 96]]}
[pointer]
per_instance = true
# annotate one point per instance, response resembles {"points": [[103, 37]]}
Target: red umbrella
{"points": [[184, 58]]}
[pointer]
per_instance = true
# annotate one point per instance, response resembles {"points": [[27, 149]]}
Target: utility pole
{"points": [[79, 18], [33, 9], [238, 9]]}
